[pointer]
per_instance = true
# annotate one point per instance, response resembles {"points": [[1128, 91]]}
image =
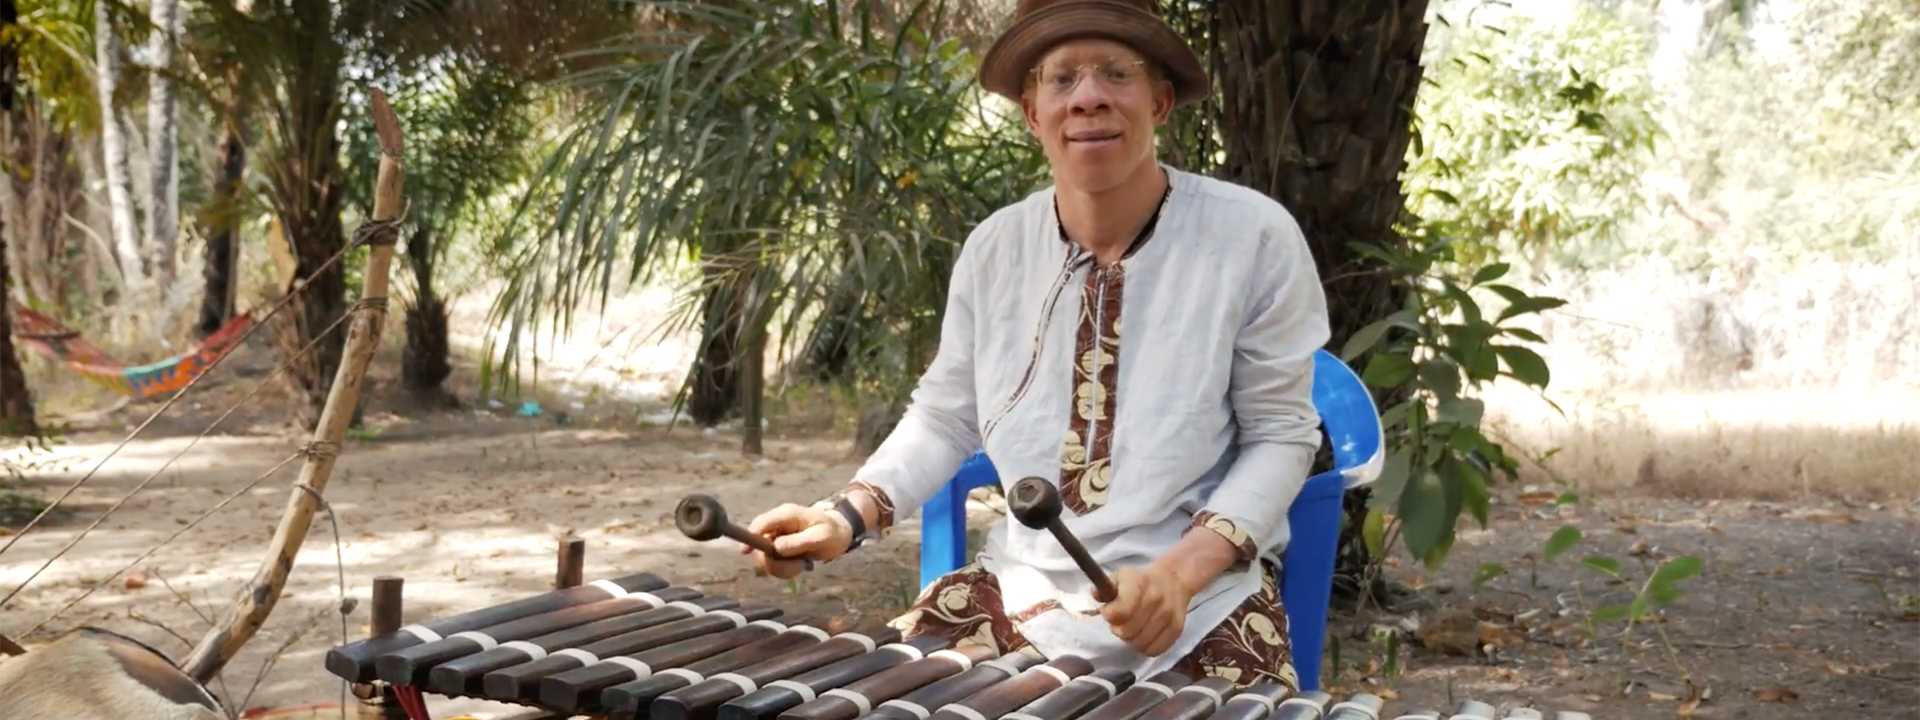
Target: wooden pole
{"points": [[573, 563], [254, 604], [388, 611]]}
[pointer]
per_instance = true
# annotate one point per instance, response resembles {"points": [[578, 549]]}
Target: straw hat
{"points": [[1039, 25]]}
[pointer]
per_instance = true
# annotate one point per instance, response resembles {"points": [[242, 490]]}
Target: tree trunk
{"points": [[113, 143], [16, 406], [753, 390], [307, 198], [424, 363], [1316, 112], [163, 209], [716, 377], [221, 270]]}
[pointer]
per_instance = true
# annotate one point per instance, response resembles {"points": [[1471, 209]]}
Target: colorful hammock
{"points": [[48, 337]]}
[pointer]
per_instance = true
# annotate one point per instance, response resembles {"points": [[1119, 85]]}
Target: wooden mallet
{"points": [[702, 518], [1036, 504]]}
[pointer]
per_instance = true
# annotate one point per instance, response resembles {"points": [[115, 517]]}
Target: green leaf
{"points": [[1469, 309], [1561, 541], [1473, 491], [1392, 481], [1663, 586], [1441, 376], [1603, 564], [1530, 305], [1364, 339], [1460, 411], [1523, 334], [1609, 613], [1423, 513], [1638, 609], [1491, 273], [1374, 532], [1486, 573], [1507, 292], [1525, 364], [1387, 370], [1567, 498], [1394, 416]]}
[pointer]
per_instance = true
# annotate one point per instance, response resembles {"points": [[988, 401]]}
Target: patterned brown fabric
{"points": [[1249, 646], [964, 607], [1086, 467], [1244, 549]]}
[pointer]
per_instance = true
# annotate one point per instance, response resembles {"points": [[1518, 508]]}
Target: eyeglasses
{"points": [[1059, 80]]}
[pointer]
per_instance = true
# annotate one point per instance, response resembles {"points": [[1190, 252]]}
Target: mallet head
{"points": [[700, 517], [1034, 502]]}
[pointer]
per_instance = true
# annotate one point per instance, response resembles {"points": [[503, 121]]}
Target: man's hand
{"points": [[1150, 607], [799, 532]]}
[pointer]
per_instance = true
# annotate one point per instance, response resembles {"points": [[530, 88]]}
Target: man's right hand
{"points": [[799, 532]]}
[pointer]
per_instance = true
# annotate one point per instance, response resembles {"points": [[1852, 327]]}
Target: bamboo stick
{"points": [[250, 611]]}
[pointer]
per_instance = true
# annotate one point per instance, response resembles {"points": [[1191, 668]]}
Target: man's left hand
{"points": [[1149, 608]]}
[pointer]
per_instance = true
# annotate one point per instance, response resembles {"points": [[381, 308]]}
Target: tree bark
{"points": [[163, 209], [718, 369], [16, 406], [1317, 109], [307, 198], [1316, 112], [220, 270], [113, 145], [424, 364]]}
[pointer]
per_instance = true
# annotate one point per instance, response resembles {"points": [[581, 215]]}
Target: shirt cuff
{"points": [[1244, 549]]}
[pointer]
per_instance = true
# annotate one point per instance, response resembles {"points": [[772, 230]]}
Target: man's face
{"points": [[1094, 104]]}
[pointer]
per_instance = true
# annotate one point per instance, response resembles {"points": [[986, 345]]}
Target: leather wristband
{"points": [[854, 521]]}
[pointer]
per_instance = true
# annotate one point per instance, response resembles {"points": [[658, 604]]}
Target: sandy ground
{"points": [[1807, 607]]}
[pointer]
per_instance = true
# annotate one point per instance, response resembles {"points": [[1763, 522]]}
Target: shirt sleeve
{"points": [[940, 429], [1271, 393]]}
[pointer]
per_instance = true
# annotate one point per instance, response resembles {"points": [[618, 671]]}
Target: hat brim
{"points": [[1005, 67]]}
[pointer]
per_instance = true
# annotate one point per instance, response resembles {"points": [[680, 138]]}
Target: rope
{"points": [[320, 450], [378, 232], [311, 344], [163, 543], [340, 571]]}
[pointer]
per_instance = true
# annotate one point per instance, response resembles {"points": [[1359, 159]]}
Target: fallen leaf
{"points": [[1662, 697], [1776, 695], [1538, 497], [1640, 548]]}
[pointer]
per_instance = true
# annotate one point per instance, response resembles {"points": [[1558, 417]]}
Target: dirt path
{"points": [[1803, 610]]}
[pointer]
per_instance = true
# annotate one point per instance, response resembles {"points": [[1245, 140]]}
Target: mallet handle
{"points": [[1103, 589]]}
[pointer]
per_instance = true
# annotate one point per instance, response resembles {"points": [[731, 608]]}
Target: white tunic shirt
{"points": [[1196, 397]]}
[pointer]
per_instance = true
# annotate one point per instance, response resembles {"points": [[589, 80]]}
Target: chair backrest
{"points": [[1351, 421]]}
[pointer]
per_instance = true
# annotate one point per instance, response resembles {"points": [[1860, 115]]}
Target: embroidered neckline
{"points": [[1139, 239]]}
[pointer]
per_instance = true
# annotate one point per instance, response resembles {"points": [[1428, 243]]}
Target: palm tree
{"points": [[16, 406], [805, 160], [1316, 111]]}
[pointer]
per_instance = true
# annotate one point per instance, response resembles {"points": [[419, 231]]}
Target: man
{"points": [[1140, 335]]}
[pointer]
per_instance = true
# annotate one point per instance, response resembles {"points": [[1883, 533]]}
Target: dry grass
{"points": [[1778, 444]]}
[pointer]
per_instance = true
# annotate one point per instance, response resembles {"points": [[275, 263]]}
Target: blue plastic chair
{"points": [[1353, 429]]}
